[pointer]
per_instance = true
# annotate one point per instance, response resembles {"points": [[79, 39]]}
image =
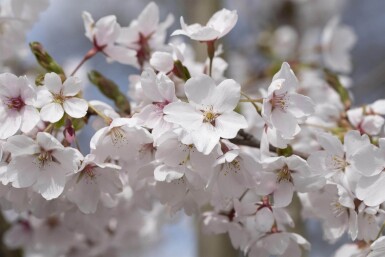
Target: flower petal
{"points": [[52, 112], [76, 107]]}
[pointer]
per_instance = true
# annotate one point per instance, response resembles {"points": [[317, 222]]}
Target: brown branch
{"points": [[246, 139]]}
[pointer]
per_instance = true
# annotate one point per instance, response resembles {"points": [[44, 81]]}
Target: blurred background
{"points": [[60, 29]]}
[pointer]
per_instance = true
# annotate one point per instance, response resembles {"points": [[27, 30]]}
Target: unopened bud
{"points": [[111, 90], [45, 60]]}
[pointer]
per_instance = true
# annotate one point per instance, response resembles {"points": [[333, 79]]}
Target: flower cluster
{"points": [[191, 138]]}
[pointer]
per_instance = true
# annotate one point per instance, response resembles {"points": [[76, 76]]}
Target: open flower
{"points": [[61, 98], [91, 182], [283, 107], [218, 26], [209, 114], [17, 97], [103, 34], [43, 164]]}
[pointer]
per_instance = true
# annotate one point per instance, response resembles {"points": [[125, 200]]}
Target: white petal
{"points": [[300, 105], [283, 194], [371, 190], [167, 174], [10, 122], [52, 112], [75, 107], [148, 19], [53, 82], [30, 119], [162, 61], [285, 123], [331, 144], [71, 86], [227, 95], [228, 124], [23, 171], [264, 220], [183, 114], [286, 73], [201, 90], [121, 54], [51, 182]]}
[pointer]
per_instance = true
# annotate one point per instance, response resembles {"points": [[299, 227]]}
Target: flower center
{"points": [[337, 208], [118, 135], [233, 167], [280, 101], [336, 163], [15, 103], [89, 171], [284, 174], [44, 159], [59, 98], [209, 116]]}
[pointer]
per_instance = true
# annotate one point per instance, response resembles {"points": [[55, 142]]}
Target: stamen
{"points": [[15, 103], [284, 175]]}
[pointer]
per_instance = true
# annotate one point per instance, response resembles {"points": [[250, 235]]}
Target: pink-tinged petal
{"points": [[264, 220], [75, 107], [106, 30], [276, 243], [283, 194], [226, 97], [353, 141], [21, 145], [285, 123], [48, 142], [171, 151], [51, 181], [110, 181], [162, 61], [371, 190], [53, 82], [200, 90], [355, 116], [228, 124], [121, 54], [149, 85], [300, 106], [167, 174], [300, 240], [223, 21], [71, 86], [372, 124], [167, 88], [9, 85], [23, 171], [85, 194], [148, 19], [30, 119], [205, 34], [88, 25], [286, 73], [183, 114], [205, 138], [378, 106], [331, 144], [368, 161], [51, 112], [10, 122]]}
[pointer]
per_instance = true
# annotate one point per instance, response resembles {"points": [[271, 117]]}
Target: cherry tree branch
{"points": [[246, 139]]}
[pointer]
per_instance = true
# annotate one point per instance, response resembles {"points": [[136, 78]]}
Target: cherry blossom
{"points": [[61, 97], [43, 164], [104, 35], [218, 26], [283, 108], [17, 100], [209, 114]]}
